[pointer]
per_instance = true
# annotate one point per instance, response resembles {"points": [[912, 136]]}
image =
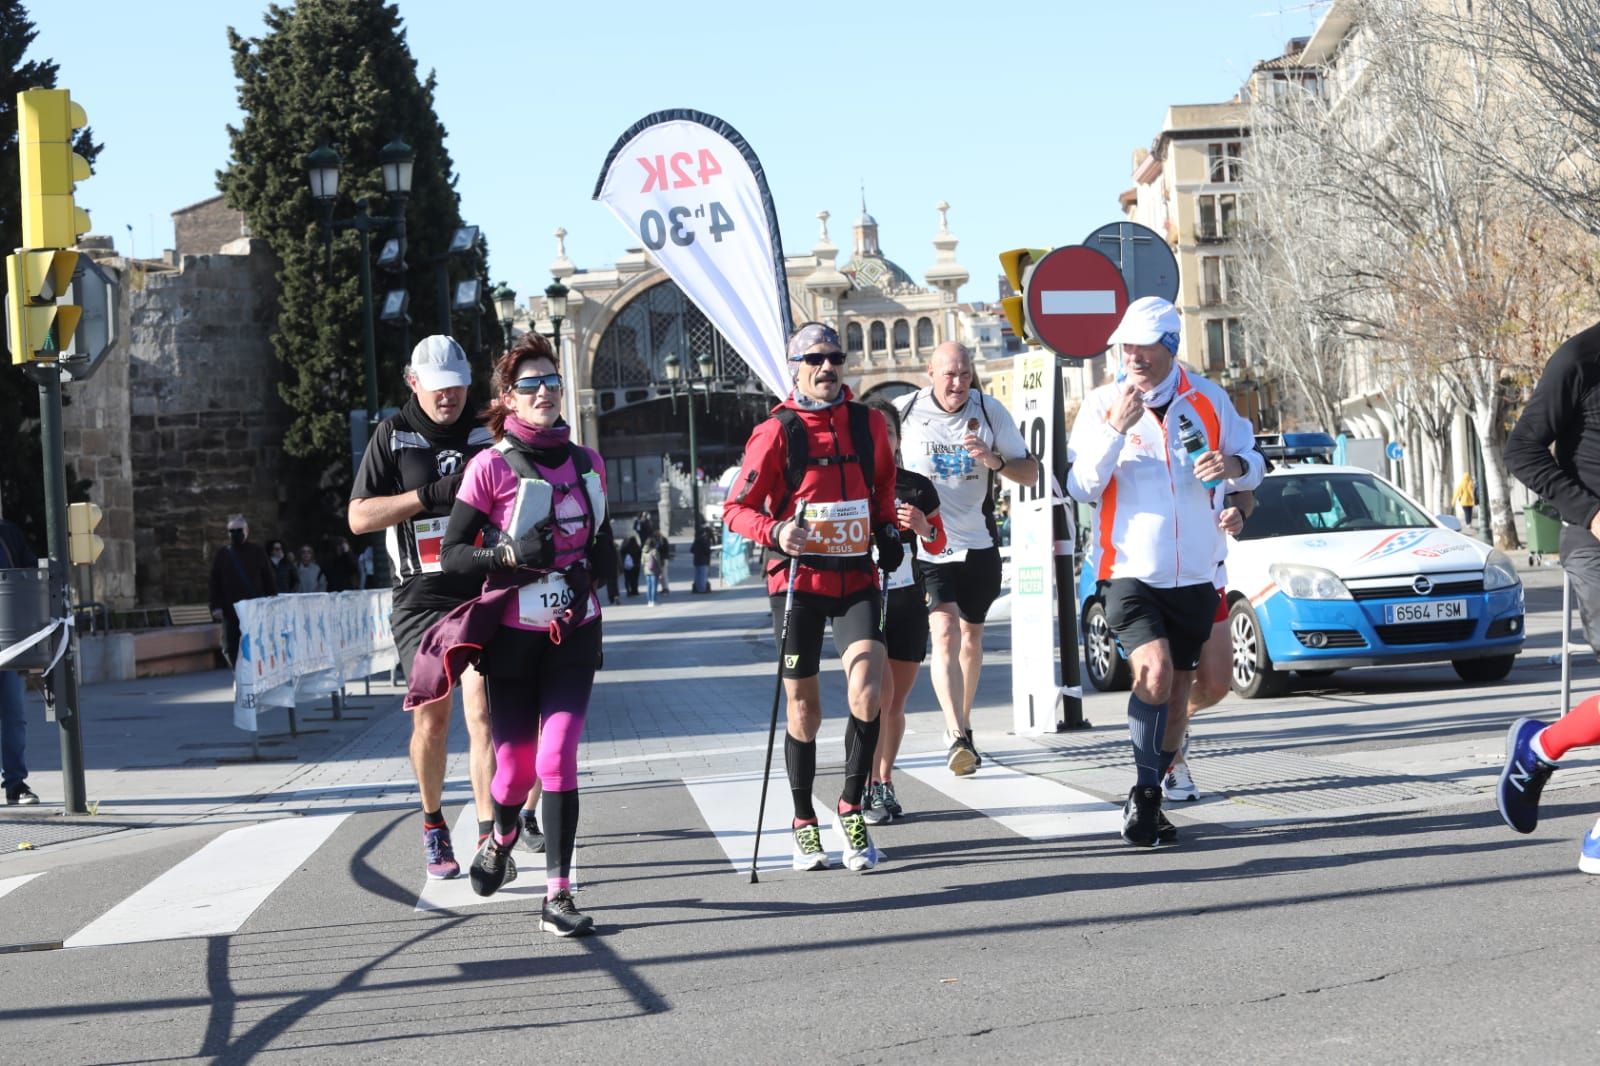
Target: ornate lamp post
{"points": [[555, 305], [505, 305], [673, 366]]}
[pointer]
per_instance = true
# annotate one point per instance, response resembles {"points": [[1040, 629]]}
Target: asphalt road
{"points": [[1352, 897]]}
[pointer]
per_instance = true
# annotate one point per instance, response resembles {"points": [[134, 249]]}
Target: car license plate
{"points": [[1431, 611]]}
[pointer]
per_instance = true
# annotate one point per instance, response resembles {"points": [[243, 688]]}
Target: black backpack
{"points": [[797, 449]]}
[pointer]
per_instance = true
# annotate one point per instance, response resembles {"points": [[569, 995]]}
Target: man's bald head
{"points": [[950, 371]]}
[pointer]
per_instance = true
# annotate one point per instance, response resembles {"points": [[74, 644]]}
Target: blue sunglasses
{"points": [[530, 385]]}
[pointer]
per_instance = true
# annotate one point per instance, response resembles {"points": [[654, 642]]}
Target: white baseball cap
{"points": [[439, 363], [1146, 321]]}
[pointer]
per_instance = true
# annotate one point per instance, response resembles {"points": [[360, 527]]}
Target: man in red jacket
{"points": [[822, 448]]}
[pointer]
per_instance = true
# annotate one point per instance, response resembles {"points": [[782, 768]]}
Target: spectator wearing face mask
{"points": [[239, 571]]}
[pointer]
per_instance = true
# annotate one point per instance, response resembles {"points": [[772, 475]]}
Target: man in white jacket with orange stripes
{"points": [[1157, 539]]}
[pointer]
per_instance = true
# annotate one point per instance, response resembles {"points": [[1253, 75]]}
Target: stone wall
{"points": [[206, 425], [203, 228]]}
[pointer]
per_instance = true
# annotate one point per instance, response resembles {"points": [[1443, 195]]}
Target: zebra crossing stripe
{"points": [[456, 893], [728, 804], [213, 891], [11, 884], [1030, 806]]}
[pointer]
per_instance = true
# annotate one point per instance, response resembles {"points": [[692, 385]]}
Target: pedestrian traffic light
{"points": [[1017, 262], [38, 328], [83, 545], [46, 120]]}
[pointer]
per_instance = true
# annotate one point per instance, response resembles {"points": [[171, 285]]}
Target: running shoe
{"points": [[977, 756], [808, 850], [442, 865], [1178, 785], [889, 802], [875, 810], [1166, 832], [1141, 817], [24, 795], [961, 759], [531, 838], [1589, 858], [492, 868], [860, 853], [560, 916], [1523, 777]]}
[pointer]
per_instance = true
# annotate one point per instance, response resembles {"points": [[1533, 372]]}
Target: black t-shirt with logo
{"points": [[400, 459]]}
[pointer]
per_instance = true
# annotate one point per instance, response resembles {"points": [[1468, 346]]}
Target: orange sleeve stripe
{"points": [[1208, 416], [1108, 519]]}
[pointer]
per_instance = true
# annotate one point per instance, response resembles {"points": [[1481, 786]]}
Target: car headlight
{"points": [[1308, 582], [1498, 573]]}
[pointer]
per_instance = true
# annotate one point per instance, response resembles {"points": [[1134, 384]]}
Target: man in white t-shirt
{"points": [[962, 441]]}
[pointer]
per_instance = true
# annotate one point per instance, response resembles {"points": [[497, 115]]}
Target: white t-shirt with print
{"points": [[930, 444]]}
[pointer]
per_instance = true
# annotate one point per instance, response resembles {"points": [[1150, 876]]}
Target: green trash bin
{"points": [[1544, 528]]}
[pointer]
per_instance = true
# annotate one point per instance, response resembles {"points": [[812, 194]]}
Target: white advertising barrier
{"points": [[303, 646], [692, 190], [1033, 591]]}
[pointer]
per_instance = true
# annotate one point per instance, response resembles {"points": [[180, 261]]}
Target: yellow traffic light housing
{"points": [[49, 168], [83, 545], [40, 329], [1015, 262]]}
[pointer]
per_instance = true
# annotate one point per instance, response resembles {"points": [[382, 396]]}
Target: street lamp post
{"points": [[323, 167], [505, 305], [555, 305], [674, 371]]}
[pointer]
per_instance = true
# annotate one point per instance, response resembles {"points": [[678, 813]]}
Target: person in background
{"points": [[308, 575], [700, 552], [14, 553], [239, 571], [282, 566], [1464, 497], [341, 572]]}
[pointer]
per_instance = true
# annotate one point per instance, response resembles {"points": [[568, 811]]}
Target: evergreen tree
{"points": [[22, 473], [338, 72]]}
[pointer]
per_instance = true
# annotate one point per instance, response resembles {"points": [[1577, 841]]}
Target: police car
{"points": [[1338, 568]]}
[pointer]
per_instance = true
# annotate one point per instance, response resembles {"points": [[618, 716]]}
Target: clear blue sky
{"points": [[1022, 115]]}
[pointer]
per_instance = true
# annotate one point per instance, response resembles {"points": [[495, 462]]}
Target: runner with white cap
{"points": [[1158, 537]]}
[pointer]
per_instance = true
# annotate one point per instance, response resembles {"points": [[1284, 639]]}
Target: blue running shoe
{"points": [[1523, 777], [442, 863], [1589, 858]]}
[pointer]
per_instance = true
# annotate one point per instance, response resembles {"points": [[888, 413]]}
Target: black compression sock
{"points": [[560, 813], [860, 742], [433, 819], [507, 821], [800, 759]]}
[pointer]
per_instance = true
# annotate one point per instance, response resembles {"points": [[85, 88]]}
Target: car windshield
{"points": [[1307, 502]]}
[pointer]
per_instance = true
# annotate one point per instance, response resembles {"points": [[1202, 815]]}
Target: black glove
{"points": [[535, 548], [439, 496], [891, 552]]}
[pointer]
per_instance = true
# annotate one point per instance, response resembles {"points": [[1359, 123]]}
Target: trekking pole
{"points": [[777, 692]]}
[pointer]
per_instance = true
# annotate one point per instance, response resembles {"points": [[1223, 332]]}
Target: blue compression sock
{"points": [[1147, 722]]}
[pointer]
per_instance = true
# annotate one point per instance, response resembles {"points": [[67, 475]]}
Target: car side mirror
{"points": [[1450, 522]]}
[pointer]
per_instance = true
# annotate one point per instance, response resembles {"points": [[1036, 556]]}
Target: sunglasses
{"points": [[818, 358], [530, 385]]}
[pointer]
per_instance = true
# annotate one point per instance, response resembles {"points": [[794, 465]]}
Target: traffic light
{"points": [[46, 120], [1017, 262], [83, 545], [38, 328]]}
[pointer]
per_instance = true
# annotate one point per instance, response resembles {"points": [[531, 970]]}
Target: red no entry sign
{"points": [[1075, 298]]}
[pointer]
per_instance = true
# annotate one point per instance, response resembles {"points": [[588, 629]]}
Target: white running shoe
{"points": [[860, 854], [1178, 785], [1589, 859], [808, 851]]}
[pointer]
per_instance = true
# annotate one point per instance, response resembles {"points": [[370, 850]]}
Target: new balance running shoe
{"points": [[808, 850], [961, 759], [1141, 817], [531, 838], [560, 916], [889, 802], [492, 868], [874, 809], [1523, 777], [1178, 785], [860, 853], [1589, 858], [442, 865]]}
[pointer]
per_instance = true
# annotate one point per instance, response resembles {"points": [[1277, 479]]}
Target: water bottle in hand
{"points": [[1194, 444]]}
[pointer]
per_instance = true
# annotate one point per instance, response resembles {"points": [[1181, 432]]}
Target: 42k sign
{"points": [[693, 192]]}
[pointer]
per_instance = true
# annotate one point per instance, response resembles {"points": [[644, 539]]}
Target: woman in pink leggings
{"points": [[530, 517]]}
